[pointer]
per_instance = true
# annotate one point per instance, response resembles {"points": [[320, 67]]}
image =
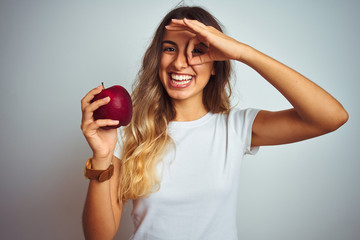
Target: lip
{"points": [[184, 85]]}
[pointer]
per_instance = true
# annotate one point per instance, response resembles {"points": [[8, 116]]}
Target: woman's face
{"points": [[182, 81]]}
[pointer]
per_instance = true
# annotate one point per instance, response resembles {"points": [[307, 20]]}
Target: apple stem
{"points": [[102, 83]]}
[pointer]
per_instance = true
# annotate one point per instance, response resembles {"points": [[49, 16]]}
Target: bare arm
{"points": [[315, 111], [102, 210]]}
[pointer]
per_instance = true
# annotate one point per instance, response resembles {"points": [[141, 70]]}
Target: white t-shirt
{"points": [[198, 193]]}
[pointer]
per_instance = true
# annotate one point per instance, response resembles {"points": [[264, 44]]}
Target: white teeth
{"points": [[177, 77], [180, 83]]}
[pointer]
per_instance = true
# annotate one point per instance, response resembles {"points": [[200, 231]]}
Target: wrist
{"points": [[98, 174], [244, 53], [100, 163]]}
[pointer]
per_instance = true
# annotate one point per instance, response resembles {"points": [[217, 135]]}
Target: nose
{"points": [[181, 61]]}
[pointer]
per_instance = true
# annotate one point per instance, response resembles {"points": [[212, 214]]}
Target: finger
{"points": [[191, 45], [202, 31], [197, 52], [178, 28], [195, 25], [201, 59], [186, 24], [91, 128], [173, 27], [89, 109], [103, 123], [98, 103], [89, 96], [189, 23], [190, 49], [179, 22]]}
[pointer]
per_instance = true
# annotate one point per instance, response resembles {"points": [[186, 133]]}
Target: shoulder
{"points": [[238, 117]]}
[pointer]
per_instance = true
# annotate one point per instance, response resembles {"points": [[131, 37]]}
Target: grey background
{"points": [[53, 52]]}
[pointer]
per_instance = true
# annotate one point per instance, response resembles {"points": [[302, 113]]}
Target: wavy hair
{"points": [[146, 138]]}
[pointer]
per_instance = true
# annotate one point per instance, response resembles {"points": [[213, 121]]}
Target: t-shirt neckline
{"points": [[194, 123]]}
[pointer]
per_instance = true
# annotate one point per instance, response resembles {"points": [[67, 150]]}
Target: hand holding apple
{"points": [[100, 133], [119, 108]]}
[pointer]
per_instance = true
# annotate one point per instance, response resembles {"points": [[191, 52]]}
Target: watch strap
{"points": [[99, 175]]}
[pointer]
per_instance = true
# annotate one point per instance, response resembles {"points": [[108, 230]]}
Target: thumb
{"points": [[200, 59]]}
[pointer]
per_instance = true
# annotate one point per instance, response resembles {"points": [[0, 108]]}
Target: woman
{"points": [[181, 153]]}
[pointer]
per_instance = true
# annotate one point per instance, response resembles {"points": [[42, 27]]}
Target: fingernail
{"points": [[105, 99], [116, 121]]}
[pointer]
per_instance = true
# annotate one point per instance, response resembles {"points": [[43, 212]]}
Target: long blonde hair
{"points": [[146, 138]]}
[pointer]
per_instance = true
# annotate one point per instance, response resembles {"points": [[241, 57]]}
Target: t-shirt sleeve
{"points": [[242, 122], [119, 144]]}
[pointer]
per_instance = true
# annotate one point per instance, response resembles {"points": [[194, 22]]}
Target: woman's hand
{"points": [[102, 142], [315, 111], [215, 45]]}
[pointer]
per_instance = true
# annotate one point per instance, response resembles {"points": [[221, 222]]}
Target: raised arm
{"points": [[102, 209], [315, 112]]}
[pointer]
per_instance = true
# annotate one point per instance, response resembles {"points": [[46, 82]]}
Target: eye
{"points": [[168, 49], [197, 51]]}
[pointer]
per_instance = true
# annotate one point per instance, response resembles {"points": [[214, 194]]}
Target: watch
{"points": [[99, 175]]}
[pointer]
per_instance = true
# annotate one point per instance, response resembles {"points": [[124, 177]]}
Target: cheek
{"points": [[204, 70], [165, 61], [164, 64], [162, 67]]}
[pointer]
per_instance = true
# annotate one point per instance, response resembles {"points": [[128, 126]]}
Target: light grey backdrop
{"points": [[53, 52]]}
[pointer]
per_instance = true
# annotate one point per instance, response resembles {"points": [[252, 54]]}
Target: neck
{"points": [[188, 111]]}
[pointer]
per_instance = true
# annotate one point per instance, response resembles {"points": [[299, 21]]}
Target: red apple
{"points": [[119, 107]]}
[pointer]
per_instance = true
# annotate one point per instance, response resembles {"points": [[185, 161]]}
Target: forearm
{"points": [[313, 104], [99, 221], [98, 216]]}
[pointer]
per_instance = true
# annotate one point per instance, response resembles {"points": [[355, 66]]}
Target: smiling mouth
{"points": [[180, 79]]}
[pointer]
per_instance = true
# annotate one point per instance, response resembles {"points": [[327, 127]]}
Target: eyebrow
{"points": [[170, 42]]}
